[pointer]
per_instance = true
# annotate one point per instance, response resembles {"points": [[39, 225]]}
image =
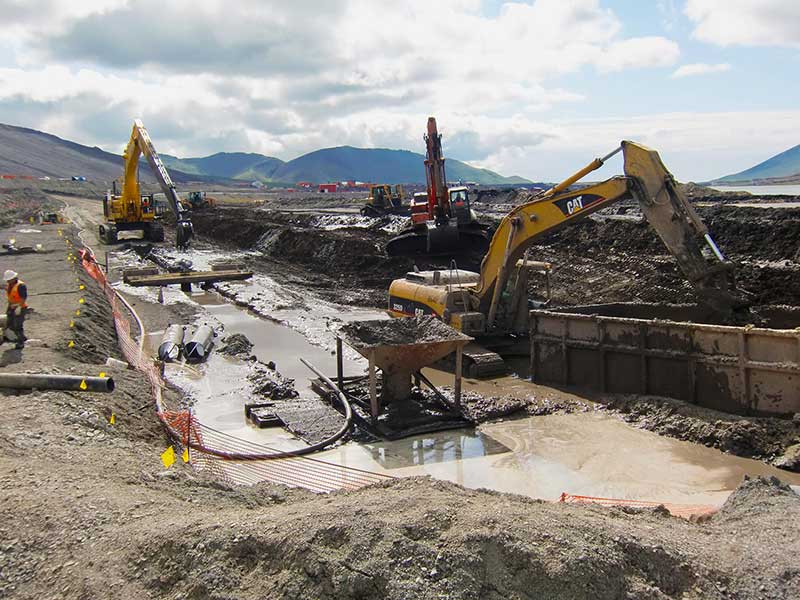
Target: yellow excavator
{"points": [[494, 302], [132, 210]]}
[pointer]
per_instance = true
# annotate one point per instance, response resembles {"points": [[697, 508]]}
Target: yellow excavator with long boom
{"points": [[132, 210], [494, 302]]}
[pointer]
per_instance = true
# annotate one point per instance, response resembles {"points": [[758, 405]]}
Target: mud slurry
{"points": [[398, 332]]}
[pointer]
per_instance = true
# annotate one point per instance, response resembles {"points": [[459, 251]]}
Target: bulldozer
{"points": [[442, 220], [132, 210], [198, 201], [493, 303], [383, 200]]}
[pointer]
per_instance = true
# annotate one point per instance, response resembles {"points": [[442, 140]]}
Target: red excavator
{"points": [[442, 221]]}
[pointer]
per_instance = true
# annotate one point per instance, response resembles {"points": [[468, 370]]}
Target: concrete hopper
{"points": [[400, 347]]}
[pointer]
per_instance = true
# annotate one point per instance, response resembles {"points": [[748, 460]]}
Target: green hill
{"points": [[377, 165], [781, 166], [231, 165], [332, 164]]}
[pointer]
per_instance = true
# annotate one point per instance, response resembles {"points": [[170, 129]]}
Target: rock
{"points": [[790, 459], [236, 344]]}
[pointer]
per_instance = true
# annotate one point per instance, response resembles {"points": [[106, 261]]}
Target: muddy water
{"points": [[589, 454]]}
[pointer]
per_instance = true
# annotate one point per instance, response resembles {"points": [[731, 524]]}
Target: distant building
{"points": [[304, 184], [327, 188]]}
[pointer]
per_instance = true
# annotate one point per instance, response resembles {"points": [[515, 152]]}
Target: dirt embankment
{"points": [[347, 265]]}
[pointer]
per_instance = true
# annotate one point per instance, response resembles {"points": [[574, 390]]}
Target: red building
{"points": [[327, 188]]}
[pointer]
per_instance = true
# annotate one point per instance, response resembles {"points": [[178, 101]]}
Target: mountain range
{"points": [[781, 168], [34, 153], [342, 163]]}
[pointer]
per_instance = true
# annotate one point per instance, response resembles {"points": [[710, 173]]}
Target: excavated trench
{"points": [[599, 260], [611, 258]]}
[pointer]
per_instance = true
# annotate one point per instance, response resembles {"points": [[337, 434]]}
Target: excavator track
{"points": [[449, 240]]}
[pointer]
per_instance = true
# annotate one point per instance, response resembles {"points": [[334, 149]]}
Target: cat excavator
{"points": [[442, 221], [494, 302], [132, 210]]}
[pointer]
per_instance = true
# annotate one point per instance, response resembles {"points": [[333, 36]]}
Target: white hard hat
{"points": [[9, 275]]}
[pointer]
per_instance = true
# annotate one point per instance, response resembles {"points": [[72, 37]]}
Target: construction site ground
{"points": [[90, 512]]}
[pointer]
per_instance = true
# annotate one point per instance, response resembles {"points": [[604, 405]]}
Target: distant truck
{"points": [[78, 178]]}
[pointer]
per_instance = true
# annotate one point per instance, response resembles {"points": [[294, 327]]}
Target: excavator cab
{"points": [[460, 207]]}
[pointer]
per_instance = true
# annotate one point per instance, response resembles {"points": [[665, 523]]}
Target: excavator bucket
{"points": [[183, 234], [448, 240]]}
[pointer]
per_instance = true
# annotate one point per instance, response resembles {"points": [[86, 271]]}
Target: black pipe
{"points": [[348, 420], [73, 383]]}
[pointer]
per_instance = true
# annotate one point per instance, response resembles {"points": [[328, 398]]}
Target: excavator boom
{"points": [[438, 204], [648, 182], [479, 303]]}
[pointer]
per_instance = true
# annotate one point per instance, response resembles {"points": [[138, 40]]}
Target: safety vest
{"points": [[14, 299]]}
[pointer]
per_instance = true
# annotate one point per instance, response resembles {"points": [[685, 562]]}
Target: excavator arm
{"points": [[648, 182], [141, 144], [438, 202]]}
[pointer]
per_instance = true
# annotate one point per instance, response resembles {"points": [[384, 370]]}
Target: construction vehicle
{"points": [[384, 201], [43, 217], [132, 210], [198, 201], [494, 302], [442, 221]]}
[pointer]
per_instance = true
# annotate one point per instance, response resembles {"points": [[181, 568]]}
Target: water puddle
{"points": [[589, 454]]}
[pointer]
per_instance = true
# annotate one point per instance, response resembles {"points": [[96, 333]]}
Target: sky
{"points": [[536, 88]]}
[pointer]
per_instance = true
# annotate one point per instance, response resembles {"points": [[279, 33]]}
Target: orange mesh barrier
{"points": [[687, 511], [227, 457]]}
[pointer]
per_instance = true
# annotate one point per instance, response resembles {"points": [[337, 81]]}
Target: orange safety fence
{"points": [[229, 458], [687, 511]]}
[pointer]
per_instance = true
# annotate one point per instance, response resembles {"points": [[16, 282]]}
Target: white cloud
{"points": [[746, 22], [700, 69], [638, 53], [284, 78], [694, 146]]}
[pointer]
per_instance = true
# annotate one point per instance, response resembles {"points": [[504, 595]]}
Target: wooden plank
{"points": [[188, 277]]}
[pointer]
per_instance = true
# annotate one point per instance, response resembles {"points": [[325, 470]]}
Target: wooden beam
{"points": [[188, 277]]}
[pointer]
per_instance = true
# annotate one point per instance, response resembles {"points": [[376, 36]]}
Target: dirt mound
{"points": [[416, 538], [397, 332], [757, 496], [236, 344], [19, 204], [267, 382]]}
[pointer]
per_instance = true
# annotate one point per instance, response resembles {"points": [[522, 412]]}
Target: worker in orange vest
{"points": [[17, 294]]}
